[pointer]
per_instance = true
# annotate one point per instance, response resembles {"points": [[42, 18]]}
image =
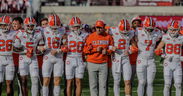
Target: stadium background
{"points": [[111, 11]]}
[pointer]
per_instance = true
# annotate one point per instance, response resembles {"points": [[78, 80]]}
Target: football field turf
{"points": [[158, 84]]}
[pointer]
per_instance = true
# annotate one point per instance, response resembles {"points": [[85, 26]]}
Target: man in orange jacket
{"points": [[97, 49]]}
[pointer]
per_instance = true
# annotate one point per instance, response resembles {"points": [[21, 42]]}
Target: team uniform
{"points": [[51, 63], [6, 59], [29, 65], [120, 63], [172, 63], [75, 65], [146, 67]]}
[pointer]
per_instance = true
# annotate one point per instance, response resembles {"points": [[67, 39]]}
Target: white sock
{"points": [[166, 90], [116, 88], [45, 91], [140, 88], [178, 89], [149, 90], [34, 88], [56, 90]]}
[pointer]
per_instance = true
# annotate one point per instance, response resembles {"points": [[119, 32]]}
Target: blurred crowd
{"points": [[13, 6]]}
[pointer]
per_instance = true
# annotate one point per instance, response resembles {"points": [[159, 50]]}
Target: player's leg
{"points": [[24, 71], [168, 75], [141, 75], [117, 79], [116, 72], [46, 72], [151, 72], [103, 73], [127, 72], [177, 75], [1, 77], [58, 72], [34, 73], [10, 70], [79, 73], [69, 71]]}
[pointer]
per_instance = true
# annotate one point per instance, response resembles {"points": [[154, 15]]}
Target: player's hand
{"points": [[64, 49], [90, 47], [41, 48], [104, 51], [29, 52], [126, 53], [99, 49], [53, 52], [114, 48]]}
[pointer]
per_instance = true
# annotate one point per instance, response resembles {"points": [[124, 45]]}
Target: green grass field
{"points": [[158, 84]]}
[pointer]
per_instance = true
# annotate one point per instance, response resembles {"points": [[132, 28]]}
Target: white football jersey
{"points": [[173, 46], [53, 40], [147, 42], [76, 43], [26, 40], [122, 42], [6, 42]]}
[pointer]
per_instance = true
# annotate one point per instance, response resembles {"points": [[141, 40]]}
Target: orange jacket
{"points": [[92, 42]]}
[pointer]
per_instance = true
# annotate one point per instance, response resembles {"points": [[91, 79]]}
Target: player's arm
{"points": [[158, 50], [64, 44], [17, 47], [42, 46], [111, 43], [88, 47]]}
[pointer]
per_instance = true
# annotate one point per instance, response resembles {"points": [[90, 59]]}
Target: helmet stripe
{"points": [[125, 24], [75, 20], [173, 23], [30, 20], [55, 19], [3, 19], [151, 23]]}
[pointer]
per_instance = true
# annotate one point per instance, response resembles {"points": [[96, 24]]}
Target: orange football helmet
{"points": [[99, 23], [5, 23], [54, 21], [75, 21], [174, 25], [124, 26], [29, 24], [174, 28], [149, 22]]}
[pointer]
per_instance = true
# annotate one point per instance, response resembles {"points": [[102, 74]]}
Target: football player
{"points": [[75, 65], [147, 37], [53, 56], [172, 53], [26, 43], [122, 36], [6, 48]]}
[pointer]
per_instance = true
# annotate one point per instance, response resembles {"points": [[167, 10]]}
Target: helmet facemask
{"points": [[149, 29], [5, 27], [54, 29], [125, 32], [76, 29], [173, 32], [30, 28]]}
